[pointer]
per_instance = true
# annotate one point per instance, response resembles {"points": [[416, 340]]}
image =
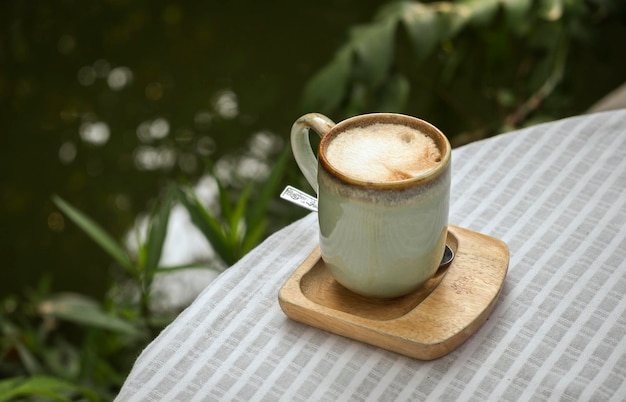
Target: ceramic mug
{"points": [[380, 236]]}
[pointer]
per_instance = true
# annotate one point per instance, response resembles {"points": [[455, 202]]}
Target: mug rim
{"points": [[388, 118]]}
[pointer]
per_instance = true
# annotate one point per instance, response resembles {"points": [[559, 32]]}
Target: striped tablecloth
{"points": [[555, 193]]}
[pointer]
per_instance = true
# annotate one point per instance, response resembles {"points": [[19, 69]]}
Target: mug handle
{"points": [[301, 146]]}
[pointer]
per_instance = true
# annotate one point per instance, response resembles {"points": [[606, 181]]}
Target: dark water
{"points": [[103, 102]]}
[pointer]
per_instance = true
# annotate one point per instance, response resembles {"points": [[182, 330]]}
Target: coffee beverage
{"points": [[382, 153], [383, 187]]}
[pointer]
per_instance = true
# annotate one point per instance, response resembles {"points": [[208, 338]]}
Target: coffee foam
{"points": [[382, 153]]}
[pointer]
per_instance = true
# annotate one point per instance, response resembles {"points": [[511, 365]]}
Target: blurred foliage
{"points": [[38, 356], [473, 67], [66, 346], [242, 225]]}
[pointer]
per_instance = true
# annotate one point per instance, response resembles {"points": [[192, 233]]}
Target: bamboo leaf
{"points": [[85, 311], [95, 231]]}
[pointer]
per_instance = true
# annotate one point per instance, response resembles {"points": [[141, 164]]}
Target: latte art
{"points": [[383, 153]]}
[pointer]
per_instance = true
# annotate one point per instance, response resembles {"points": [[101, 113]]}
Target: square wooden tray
{"points": [[426, 324]]}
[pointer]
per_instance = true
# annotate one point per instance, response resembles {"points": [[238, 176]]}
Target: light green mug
{"points": [[382, 225]]}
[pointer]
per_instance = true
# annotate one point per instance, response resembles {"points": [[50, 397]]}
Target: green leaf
{"points": [[517, 12], [225, 206], [452, 18], [85, 311], [193, 265], [423, 26], [374, 49], [394, 94], [157, 232], [210, 227], [28, 359], [64, 359], [8, 386], [253, 236], [267, 194], [45, 386], [481, 12], [327, 89], [95, 231], [358, 100], [237, 217], [551, 10]]}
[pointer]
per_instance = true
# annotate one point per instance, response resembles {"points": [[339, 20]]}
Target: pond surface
{"points": [[103, 102]]}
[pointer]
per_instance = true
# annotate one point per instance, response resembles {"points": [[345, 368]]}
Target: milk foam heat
{"points": [[383, 153]]}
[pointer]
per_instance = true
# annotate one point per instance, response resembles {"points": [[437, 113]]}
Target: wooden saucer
{"points": [[426, 324]]}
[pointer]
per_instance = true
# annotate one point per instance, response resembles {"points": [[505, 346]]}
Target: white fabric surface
{"points": [[555, 193]]}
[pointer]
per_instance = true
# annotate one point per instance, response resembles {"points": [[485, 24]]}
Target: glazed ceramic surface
{"points": [[377, 239]]}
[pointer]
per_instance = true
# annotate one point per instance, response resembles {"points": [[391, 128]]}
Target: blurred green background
{"points": [[104, 101]]}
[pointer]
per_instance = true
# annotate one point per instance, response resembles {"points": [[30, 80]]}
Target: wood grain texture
{"points": [[426, 324]]}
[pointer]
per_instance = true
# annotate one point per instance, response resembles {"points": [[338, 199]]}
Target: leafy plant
{"points": [[63, 347], [240, 225], [66, 346], [506, 56], [142, 267]]}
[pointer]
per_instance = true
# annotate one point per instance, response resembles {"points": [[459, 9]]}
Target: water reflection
{"points": [[67, 152], [253, 164], [66, 44], [95, 133], [184, 242], [56, 222], [106, 102], [119, 78], [225, 104], [151, 130], [154, 158], [203, 119], [87, 75]]}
